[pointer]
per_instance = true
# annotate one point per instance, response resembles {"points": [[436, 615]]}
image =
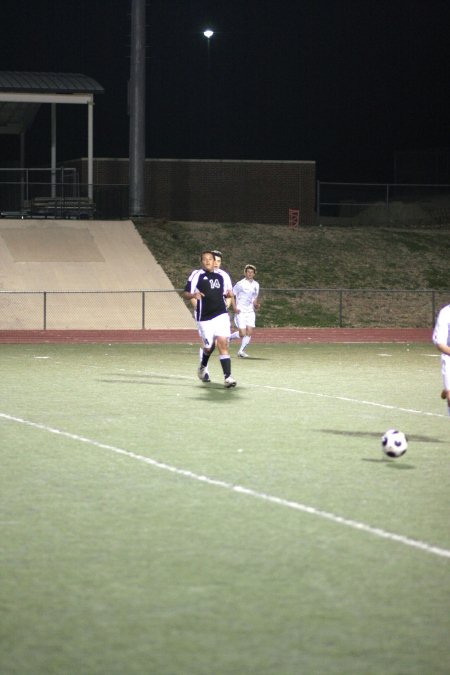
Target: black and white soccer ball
{"points": [[394, 443]]}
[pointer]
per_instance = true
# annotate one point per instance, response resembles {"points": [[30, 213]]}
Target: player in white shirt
{"points": [[246, 293], [441, 338]]}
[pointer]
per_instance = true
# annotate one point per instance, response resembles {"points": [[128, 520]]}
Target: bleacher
{"points": [[62, 207]]}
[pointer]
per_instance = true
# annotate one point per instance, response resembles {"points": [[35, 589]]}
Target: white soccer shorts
{"points": [[244, 319], [213, 328]]}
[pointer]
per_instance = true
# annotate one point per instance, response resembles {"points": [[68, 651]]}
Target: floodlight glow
{"points": [[208, 33]]}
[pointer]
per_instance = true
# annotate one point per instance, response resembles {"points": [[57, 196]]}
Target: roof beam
{"points": [[28, 97]]}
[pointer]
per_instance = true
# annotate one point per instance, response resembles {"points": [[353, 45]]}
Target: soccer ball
{"points": [[394, 443]]}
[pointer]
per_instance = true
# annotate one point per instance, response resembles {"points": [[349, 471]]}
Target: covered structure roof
{"points": [[22, 93]]}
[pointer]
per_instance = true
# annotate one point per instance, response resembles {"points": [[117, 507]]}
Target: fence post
{"points": [[340, 307], [45, 310], [143, 310]]}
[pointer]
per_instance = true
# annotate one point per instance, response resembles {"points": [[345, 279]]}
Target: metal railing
{"points": [[23, 198], [145, 308]]}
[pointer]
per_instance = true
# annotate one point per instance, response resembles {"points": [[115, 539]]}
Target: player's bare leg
{"points": [[447, 396]]}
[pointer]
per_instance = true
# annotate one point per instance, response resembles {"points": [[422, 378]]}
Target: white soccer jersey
{"points": [[246, 292], [441, 333]]}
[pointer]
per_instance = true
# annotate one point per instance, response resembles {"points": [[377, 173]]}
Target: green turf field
{"points": [[154, 524]]}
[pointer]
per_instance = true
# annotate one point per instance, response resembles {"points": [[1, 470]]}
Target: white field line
{"points": [[240, 489], [350, 400], [302, 392]]}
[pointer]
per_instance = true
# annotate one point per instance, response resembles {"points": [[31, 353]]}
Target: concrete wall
{"points": [[69, 259]]}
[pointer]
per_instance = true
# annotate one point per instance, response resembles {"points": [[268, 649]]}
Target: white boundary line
{"points": [[350, 400], [302, 392], [240, 489]]}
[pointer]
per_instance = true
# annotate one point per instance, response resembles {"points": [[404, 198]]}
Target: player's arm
{"points": [[191, 291], [256, 302], [230, 301], [195, 295], [228, 291], [443, 347]]}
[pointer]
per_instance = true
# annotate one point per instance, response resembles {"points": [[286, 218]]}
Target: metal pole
{"points": [[53, 151], [208, 33], [45, 310], [209, 94], [22, 165], [136, 93], [90, 149]]}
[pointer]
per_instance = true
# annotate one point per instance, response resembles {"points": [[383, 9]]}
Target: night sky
{"points": [[343, 82]]}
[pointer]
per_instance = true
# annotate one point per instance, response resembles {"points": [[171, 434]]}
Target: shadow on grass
{"points": [[217, 393], [141, 381], [252, 358], [395, 464], [207, 391], [375, 434]]}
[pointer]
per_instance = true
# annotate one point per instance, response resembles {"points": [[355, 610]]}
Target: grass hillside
{"points": [[316, 257]]}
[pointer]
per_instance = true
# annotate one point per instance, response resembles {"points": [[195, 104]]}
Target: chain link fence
{"points": [[363, 204], [147, 309]]}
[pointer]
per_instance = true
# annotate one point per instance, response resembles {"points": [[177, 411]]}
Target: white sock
{"points": [[245, 340]]}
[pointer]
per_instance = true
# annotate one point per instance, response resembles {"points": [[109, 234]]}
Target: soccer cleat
{"points": [[444, 394], [230, 382], [242, 355], [203, 374]]}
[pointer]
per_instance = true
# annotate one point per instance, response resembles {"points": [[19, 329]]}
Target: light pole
{"points": [[137, 110], [208, 33]]}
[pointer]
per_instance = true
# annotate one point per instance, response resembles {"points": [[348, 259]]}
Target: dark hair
{"points": [[207, 251], [216, 253]]}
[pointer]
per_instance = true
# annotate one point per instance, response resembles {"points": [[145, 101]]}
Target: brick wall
{"points": [[218, 190]]}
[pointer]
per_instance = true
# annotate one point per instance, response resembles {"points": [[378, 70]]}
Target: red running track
{"points": [[289, 335]]}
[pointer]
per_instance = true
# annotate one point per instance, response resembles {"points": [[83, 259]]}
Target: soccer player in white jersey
{"points": [[246, 293], [441, 338], [209, 286]]}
